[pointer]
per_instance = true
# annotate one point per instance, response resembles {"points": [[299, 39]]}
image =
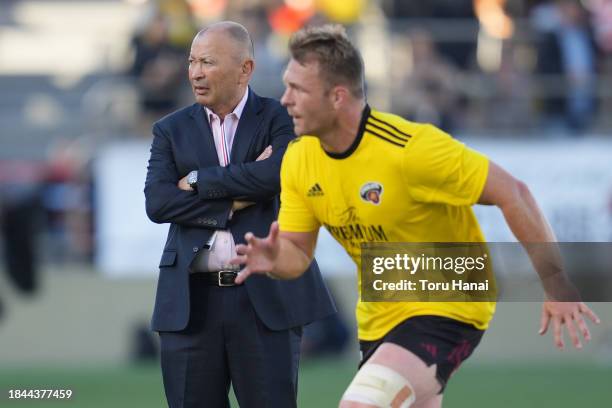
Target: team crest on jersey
{"points": [[371, 192]]}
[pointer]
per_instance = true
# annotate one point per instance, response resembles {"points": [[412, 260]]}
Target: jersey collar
{"points": [[355, 144]]}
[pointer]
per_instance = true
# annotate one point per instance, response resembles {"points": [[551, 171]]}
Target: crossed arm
{"points": [[286, 255], [170, 199], [237, 204], [165, 202]]}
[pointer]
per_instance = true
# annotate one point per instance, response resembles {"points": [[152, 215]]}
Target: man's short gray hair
{"points": [[236, 31]]}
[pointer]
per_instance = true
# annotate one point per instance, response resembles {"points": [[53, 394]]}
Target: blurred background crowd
{"points": [[77, 76]]}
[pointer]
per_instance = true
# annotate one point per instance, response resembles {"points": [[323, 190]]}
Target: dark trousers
{"points": [[226, 342]]}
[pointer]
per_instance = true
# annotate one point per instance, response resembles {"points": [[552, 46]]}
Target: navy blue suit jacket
{"points": [[183, 142]]}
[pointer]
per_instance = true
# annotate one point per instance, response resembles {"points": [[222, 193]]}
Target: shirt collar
{"points": [[362, 124], [237, 110]]}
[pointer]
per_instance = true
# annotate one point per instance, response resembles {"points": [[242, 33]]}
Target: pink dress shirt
{"points": [[221, 243]]}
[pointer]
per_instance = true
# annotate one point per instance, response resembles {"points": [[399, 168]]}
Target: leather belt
{"points": [[220, 278]]}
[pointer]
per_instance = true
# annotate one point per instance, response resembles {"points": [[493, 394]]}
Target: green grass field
{"points": [[322, 383]]}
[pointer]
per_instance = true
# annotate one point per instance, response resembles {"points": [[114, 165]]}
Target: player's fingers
{"points": [[242, 249], [544, 321], [243, 275], [587, 311], [239, 260], [573, 333], [250, 238], [273, 232], [558, 333], [582, 326]]}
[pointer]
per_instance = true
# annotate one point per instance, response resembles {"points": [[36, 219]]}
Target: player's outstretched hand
{"points": [[258, 255], [570, 315]]}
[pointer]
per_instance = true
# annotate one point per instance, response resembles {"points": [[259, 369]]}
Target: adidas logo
{"points": [[315, 191]]}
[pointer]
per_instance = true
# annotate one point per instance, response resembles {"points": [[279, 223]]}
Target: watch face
{"points": [[192, 178]]}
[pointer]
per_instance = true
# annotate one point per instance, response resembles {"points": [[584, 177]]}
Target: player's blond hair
{"points": [[340, 63]]}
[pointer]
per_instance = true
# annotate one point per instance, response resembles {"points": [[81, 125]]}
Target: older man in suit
{"points": [[213, 174]]}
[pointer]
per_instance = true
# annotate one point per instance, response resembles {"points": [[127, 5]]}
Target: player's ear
{"points": [[339, 96]]}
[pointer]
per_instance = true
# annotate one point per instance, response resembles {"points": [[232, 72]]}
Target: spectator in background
{"points": [[510, 106], [19, 221], [602, 24], [68, 201], [20, 218], [427, 88], [158, 69], [270, 59], [461, 50], [180, 22], [567, 49]]}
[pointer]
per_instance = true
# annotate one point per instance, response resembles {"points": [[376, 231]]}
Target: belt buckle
{"points": [[222, 274]]}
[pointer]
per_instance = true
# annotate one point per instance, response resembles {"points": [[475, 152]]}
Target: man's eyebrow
{"points": [[292, 84]]}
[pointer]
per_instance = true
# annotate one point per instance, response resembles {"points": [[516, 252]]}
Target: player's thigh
{"points": [[353, 404], [433, 402], [421, 377], [415, 380]]}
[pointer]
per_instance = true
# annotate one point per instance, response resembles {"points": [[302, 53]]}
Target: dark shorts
{"points": [[435, 340]]}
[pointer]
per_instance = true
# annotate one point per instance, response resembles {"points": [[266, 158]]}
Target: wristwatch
{"points": [[192, 179]]}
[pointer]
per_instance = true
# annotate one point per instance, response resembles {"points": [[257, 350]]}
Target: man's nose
{"points": [[285, 98], [196, 72]]}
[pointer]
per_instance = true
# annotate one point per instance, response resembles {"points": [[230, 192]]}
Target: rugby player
{"points": [[368, 175]]}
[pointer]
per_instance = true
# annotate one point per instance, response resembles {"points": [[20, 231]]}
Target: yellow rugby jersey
{"points": [[400, 181]]}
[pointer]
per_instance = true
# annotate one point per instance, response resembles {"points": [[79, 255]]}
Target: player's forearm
{"points": [[530, 227], [525, 218], [291, 262]]}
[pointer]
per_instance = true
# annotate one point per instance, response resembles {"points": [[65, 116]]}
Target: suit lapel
{"points": [[249, 123], [202, 139]]}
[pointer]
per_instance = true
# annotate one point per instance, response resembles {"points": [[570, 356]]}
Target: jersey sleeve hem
{"points": [[483, 175], [297, 228]]}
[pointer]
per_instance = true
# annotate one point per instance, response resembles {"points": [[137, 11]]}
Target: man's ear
{"points": [[247, 67], [339, 95]]}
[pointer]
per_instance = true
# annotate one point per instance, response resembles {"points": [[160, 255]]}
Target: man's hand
{"points": [[238, 205], [570, 315], [258, 255], [184, 185], [265, 154]]}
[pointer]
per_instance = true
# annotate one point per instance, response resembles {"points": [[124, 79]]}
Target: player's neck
{"points": [[342, 135]]}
